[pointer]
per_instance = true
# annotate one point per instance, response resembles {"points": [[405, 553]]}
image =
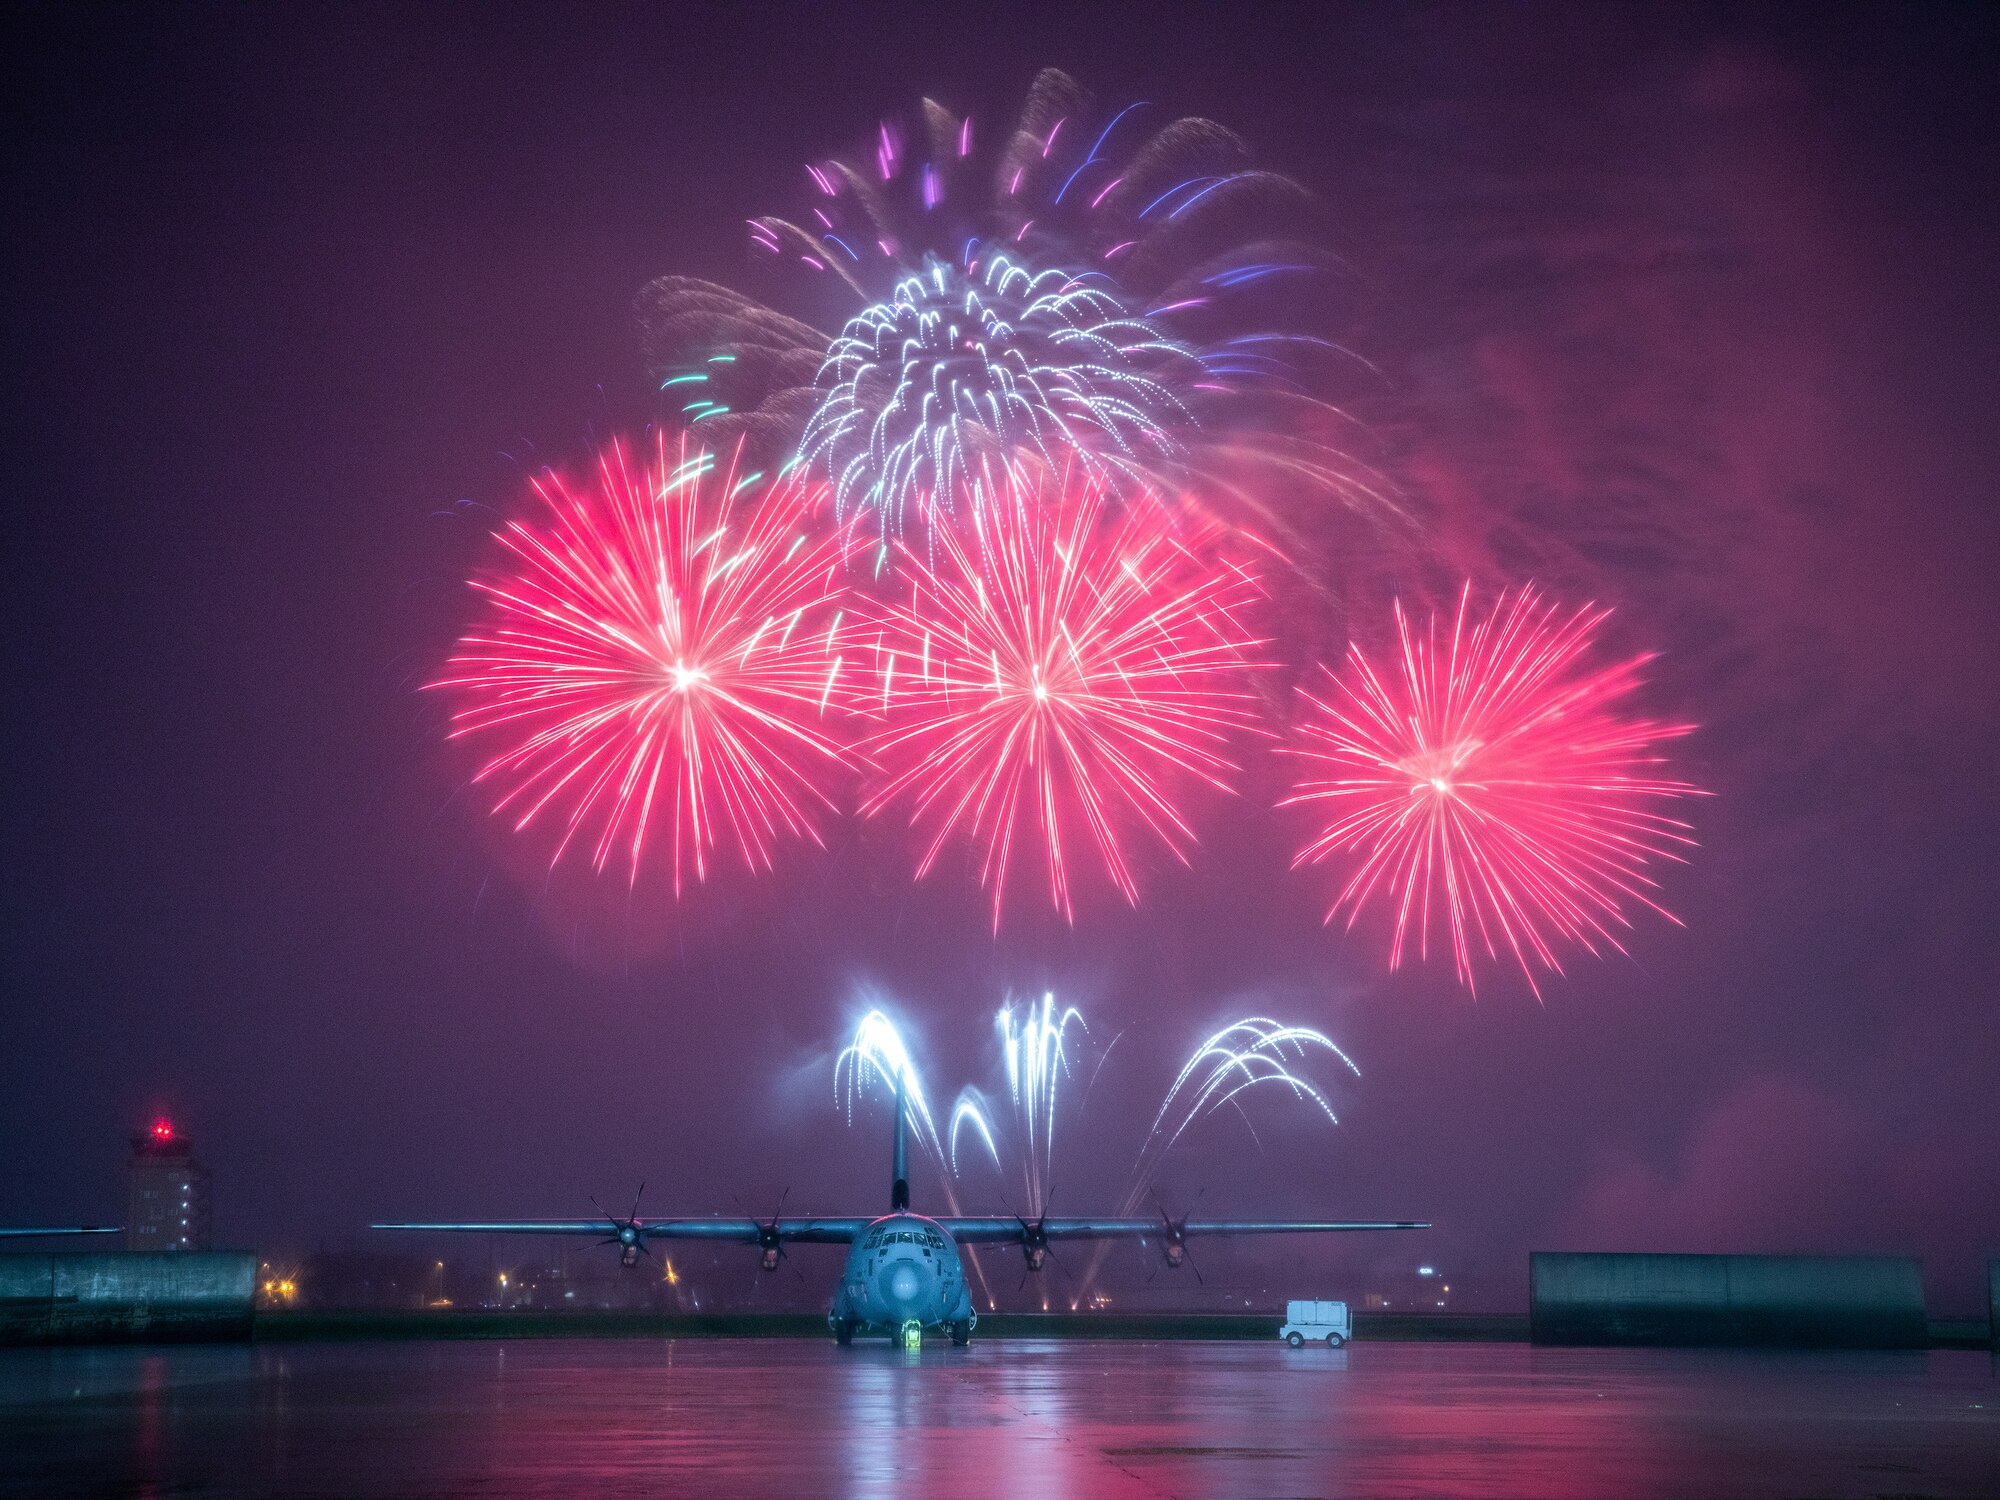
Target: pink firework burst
{"points": [[662, 647], [1492, 782], [1062, 674]]}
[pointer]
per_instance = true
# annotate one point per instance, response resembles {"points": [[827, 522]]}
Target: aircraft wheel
{"points": [[1296, 1339], [1334, 1341], [843, 1333], [961, 1333]]}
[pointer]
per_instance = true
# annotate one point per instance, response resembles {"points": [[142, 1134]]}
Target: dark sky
{"points": [[1692, 308]]}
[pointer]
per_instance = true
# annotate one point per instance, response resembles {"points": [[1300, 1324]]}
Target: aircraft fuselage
{"points": [[903, 1269]]}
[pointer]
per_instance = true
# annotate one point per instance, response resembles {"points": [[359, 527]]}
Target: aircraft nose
{"points": [[903, 1284]]}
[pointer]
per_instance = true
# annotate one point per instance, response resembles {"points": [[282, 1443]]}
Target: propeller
{"points": [[770, 1244], [626, 1233], [1035, 1246], [1174, 1242]]}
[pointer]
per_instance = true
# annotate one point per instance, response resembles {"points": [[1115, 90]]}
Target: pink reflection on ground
{"points": [[771, 1417]]}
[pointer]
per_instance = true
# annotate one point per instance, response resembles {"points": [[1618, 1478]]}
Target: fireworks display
{"points": [[1035, 1048], [1057, 678], [662, 649], [1490, 784], [1242, 1055], [1038, 1058], [1132, 292], [985, 363], [1070, 391], [878, 1055]]}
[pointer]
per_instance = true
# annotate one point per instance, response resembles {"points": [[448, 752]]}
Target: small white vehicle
{"points": [[1317, 1322]]}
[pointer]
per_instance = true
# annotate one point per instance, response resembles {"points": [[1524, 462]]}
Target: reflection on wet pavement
{"points": [[784, 1418]]}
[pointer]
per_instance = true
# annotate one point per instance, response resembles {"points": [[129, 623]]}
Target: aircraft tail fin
{"points": [[899, 1187]]}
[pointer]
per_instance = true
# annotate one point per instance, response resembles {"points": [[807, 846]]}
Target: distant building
{"points": [[168, 1203], [1421, 1288]]}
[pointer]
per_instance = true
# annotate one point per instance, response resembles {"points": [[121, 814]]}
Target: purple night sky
{"points": [[1689, 309]]}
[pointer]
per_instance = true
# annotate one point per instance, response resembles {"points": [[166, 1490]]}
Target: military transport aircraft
{"points": [[903, 1270]]}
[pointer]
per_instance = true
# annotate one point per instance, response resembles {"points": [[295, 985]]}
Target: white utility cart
{"points": [[1325, 1323]]}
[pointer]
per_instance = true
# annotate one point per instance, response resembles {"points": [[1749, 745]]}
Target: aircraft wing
{"points": [[731, 1231], [969, 1231], [8, 1233], [746, 1231]]}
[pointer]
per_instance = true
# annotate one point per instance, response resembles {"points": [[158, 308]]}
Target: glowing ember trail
{"points": [[1491, 783], [1061, 666], [662, 649]]}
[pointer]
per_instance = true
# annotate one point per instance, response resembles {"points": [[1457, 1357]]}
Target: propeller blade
{"points": [[633, 1216]]}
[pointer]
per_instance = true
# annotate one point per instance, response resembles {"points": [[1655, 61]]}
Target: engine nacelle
{"points": [[769, 1259], [1037, 1256], [1176, 1254], [628, 1256]]}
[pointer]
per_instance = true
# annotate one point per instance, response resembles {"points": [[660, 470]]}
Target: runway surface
{"points": [[775, 1417]]}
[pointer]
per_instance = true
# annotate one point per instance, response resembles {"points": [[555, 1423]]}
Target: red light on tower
{"points": [[163, 1130]]}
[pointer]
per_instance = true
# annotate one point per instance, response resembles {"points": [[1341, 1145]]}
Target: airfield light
{"points": [[1426, 1270]]}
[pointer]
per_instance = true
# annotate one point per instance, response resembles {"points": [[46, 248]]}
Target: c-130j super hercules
{"points": [[904, 1273]]}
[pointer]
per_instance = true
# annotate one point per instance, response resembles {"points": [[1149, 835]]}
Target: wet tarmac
{"points": [[772, 1417]]}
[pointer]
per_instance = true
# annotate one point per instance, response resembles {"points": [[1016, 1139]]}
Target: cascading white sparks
{"points": [[1037, 1056], [969, 1112], [1036, 1059], [1035, 1048], [878, 1054], [1242, 1055]]}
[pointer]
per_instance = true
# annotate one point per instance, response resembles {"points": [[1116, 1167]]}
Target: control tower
{"points": [[168, 1205]]}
